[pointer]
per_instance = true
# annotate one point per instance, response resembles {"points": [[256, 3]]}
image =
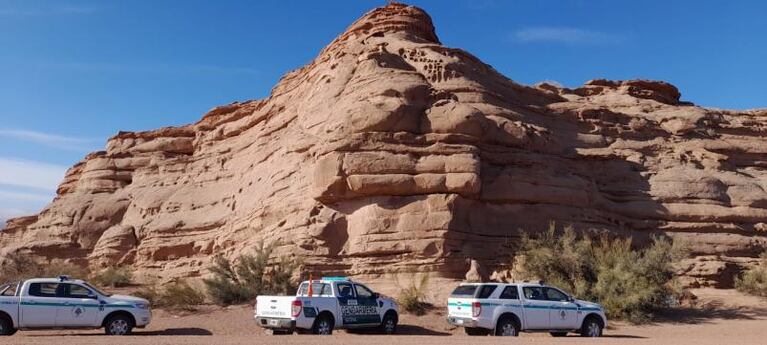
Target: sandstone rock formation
{"points": [[392, 153]]}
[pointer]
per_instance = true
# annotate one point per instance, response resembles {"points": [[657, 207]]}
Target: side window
{"points": [[510, 292], [326, 290], [486, 290], [43, 289], [77, 291], [344, 290], [533, 293], [363, 292], [555, 295]]}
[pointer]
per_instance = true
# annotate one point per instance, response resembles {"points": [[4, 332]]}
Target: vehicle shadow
{"points": [[402, 330], [708, 312], [177, 331], [186, 331]]}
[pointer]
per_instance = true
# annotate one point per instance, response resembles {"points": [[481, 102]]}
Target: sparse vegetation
{"points": [[178, 295], [412, 297], [19, 266], [251, 275], [113, 276], [754, 280], [630, 283]]}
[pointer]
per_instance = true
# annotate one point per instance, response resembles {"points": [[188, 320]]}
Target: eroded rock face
{"points": [[391, 153]]}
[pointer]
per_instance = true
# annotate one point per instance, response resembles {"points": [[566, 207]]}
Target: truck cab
{"points": [[320, 306], [507, 309], [46, 303]]}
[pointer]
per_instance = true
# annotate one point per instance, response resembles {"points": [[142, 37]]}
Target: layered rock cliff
{"points": [[393, 153]]}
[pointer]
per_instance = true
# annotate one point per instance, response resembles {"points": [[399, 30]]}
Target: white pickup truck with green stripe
{"points": [[46, 303], [507, 309]]}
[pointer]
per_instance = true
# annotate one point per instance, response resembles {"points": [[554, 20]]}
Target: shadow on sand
{"points": [[186, 331], [402, 330], [710, 311]]}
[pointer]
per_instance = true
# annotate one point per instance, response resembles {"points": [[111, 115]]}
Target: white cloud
{"points": [[31, 174], [48, 139], [573, 36]]}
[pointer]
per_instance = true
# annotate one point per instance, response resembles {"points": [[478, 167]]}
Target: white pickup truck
{"points": [[46, 303], [335, 302], [507, 309]]}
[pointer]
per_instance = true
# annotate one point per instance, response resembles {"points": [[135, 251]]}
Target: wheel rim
{"points": [[389, 326], [118, 327], [593, 329], [508, 330], [323, 327]]}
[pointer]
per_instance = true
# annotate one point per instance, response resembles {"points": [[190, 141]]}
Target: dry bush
{"points": [[17, 266], [630, 283], [250, 276], [113, 276], [412, 297], [177, 295], [754, 280]]}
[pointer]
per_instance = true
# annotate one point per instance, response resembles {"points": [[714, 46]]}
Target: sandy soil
{"points": [[721, 317]]}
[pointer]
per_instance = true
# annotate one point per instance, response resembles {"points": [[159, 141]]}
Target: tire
{"points": [[592, 327], [323, 325], [118, 325], [476, 331], [507, 327], [558, 334], [389, 324], [6, 327]]}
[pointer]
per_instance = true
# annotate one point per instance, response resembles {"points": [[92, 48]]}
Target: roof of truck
{"points": [[522, 283], [54, 280]]}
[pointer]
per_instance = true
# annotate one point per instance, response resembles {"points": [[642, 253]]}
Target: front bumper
{"points": [[275, 323], [143, 318], [462, 322]]}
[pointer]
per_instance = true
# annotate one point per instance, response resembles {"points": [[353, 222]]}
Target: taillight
{"points": [[476, 309], [295, 309]]}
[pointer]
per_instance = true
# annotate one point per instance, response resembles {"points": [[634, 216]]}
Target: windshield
{"points": [[97, 290]]}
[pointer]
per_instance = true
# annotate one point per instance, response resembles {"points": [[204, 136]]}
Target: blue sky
{"points": [[73, 73]]}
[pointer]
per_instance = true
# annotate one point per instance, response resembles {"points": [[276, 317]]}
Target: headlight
{"points": [[142, 305]]}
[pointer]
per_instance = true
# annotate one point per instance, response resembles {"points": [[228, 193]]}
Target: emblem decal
{"points": [[563, 314], [77, 312]]}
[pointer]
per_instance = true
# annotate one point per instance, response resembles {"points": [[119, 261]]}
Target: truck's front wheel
{"points": [[323, 325], [119, 325], [389, 323], [6, 327]]}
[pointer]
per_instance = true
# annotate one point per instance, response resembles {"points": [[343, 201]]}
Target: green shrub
{"points": [[252, 275], [630, 284], [412, 298], [17, 266], [177, 295], [113, 277], [754, 280]]}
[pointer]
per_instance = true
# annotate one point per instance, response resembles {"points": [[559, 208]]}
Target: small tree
{"points": [[252, 275], [412, 297], [629, 283]]}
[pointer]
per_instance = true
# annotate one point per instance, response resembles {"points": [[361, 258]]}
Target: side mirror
{"points": [[92, 296], [570, 299], [376, 295]]}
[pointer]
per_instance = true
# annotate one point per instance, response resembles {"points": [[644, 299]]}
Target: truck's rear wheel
{"points": [[118, 325], [6, 327], [323, 325], [506, 327]]}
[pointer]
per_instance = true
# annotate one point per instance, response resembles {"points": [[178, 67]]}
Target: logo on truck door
{"points": [[357, 304]]}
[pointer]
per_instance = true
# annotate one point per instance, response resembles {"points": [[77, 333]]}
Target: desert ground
{"points": [[720, 317]]}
